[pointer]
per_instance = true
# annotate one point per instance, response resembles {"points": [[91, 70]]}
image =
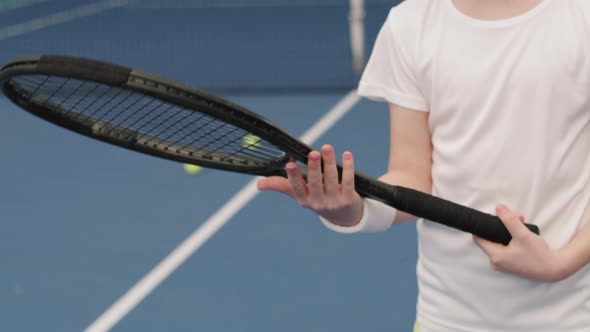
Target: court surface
{"points": [[82, 222]]}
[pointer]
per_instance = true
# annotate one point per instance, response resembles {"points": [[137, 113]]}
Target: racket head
{"points": [[149, 114]]}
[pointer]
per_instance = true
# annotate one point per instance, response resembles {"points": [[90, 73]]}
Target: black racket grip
{"points": [[438, 210], [454, 215]]}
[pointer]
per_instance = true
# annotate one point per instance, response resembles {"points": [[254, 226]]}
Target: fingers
{"points": [[513, 223], [276, 183], [315, 183], [347, 174], [296, 181], [322, 190], [331, 181]]}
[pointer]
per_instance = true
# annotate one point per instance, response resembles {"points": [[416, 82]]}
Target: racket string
{"points": [[140, 110], [82, 112], [171, 125], [55, 92], [126, 117], [71, 94], [145, 133], [122, 113], [144, 115], [118, 113], [208, 155], [213, 136], [235, 136], [209, 133], [243, 139], [110, 110], [96, 86], [163, 139], [98, 109], [39, 87]]}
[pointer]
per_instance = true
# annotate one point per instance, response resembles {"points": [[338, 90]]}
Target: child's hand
{"points": [[527, 255], [322, 193]]}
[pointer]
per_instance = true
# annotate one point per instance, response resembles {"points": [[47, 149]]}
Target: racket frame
{"points": [[405, 199]]}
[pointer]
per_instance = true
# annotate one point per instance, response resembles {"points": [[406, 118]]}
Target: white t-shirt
{"points": [[509, 104]]}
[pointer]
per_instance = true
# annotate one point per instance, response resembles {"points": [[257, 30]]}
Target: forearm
{"points": [[576, 254]]}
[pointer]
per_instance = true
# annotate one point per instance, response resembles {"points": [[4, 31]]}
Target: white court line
{"points": [[190, 245], [60, 17]]}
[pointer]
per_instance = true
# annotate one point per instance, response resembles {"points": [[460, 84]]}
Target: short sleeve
{"points": [[390, 74]]}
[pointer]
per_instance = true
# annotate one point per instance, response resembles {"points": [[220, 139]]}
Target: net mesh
{"points": [[277, 46], [134, 118], [250, 3], [221, 46]]}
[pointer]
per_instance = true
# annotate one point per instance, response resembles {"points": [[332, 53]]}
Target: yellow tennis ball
{"points": [[192, 169], [251, 142]]}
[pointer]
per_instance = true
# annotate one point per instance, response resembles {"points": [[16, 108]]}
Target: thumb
{"points": [[276, 183]]}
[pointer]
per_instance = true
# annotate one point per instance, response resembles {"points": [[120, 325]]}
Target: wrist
{"points": [[374, 217], [566, 263], [347, 217]]}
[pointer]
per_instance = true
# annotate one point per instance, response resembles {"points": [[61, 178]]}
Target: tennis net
{"points": [[271, 46], [222, 46]]}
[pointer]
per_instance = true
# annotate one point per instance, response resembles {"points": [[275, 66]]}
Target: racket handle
{"points": [[437, 210]]}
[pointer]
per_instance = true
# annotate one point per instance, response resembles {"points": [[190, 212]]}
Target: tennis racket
{"points": [[162, 118]]}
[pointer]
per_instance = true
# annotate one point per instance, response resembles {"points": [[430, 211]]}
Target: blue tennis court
{"points": [[81, 222]]}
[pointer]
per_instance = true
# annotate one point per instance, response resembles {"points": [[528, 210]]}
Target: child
{"points": [[490, 108]]}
